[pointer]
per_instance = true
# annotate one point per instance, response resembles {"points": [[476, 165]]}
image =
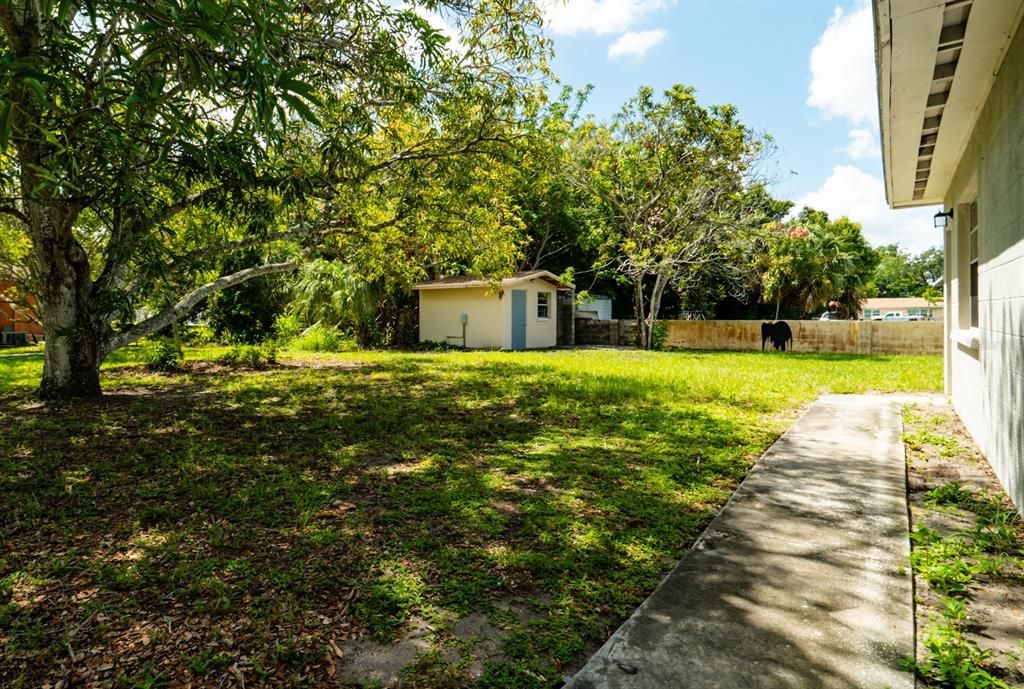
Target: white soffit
{"points": [[936, 62]]}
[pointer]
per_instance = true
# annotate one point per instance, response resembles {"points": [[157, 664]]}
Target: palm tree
{"points": [[840, 270], [332, 294], [815, 263]]}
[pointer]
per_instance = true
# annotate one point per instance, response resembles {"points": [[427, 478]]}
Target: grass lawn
{"points": [[23, 349], [220, 525]]}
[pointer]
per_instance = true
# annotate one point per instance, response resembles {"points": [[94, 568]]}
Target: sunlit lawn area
{"points": [[220, 523]]}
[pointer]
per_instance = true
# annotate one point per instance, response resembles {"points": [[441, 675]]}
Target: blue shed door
{"points": [[518, 319]]}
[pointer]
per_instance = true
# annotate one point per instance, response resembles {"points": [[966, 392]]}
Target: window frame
{"points": [[546, 305], [973, 253]]}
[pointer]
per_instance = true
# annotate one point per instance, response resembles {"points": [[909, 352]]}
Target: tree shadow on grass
{"points": [[798, 355], [250, 520]]}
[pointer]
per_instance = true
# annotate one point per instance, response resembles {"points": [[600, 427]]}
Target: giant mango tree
{"points": [[142, 140]]}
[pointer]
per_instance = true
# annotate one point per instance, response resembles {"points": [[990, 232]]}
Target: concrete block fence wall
{"points": [[617, 333], [849, 337]]}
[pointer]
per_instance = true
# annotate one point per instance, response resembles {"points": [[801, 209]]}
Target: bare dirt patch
{"points": [[332, 364], [969, 548], [460, 646]]}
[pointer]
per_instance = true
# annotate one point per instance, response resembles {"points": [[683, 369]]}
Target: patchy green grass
{"points": [[20, 368], [968, 557], [24, 349], [221, 522]]}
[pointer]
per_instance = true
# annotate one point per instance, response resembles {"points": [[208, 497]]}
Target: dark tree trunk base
{"points": [[71, 369], [84, 386]]}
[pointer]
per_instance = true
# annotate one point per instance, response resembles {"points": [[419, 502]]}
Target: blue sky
{"points": [[802, 70]]}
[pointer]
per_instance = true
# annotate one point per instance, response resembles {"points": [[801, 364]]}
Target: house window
{"points": [[543, 305], [922, 313], [872, 313], [973, 263]]}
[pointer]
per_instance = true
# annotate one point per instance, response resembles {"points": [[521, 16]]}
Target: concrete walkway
{"points": [[801, 582]]}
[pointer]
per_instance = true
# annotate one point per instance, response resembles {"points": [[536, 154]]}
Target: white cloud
{"points": [[854, 193], [412, 46], [843, 68], [600, 17], [862, 145], [444, 27], [635, 44]]}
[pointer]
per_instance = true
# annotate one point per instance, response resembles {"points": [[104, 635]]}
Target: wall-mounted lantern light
{"points": [[942, 218]]}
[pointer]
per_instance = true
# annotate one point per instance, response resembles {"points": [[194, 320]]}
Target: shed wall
{"points": [[541, 333], [490, 316], [486, 328]]}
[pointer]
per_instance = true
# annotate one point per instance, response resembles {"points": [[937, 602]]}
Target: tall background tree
{"points": [[664, 184], [121, 124], [708, 285], [813, 263], [901, 274], [550, 206]]}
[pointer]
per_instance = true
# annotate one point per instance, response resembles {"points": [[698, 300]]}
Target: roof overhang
{"points": [[936, 62], [468, 282]]}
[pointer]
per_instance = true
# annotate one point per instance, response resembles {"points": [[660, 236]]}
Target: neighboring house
{"points": [[518, 312], [951, 96], [19, 322], [905, 307], [596, 307]]}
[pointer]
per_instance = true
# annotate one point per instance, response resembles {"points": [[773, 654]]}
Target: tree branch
{"points": [[14, 213], [321, 230], [199, 198], [174, 313]]}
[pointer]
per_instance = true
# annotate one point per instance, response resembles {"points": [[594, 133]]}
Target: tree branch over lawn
{"points": [[182, 308]]}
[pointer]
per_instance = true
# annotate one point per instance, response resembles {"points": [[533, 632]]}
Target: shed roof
{"points": [[462, 281]]}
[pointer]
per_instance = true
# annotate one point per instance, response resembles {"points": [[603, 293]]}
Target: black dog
{"points": [[778, 332]]}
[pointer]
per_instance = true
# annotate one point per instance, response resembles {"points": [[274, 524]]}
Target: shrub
{"points": [[659, 337], [287, 327], [251, 356], [436, 346], [334, 292], [246, 313], [320, 338], [164, 355], [197, 334]]}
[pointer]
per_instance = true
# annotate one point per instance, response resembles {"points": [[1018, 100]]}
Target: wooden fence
{"points": [[851, 337]]}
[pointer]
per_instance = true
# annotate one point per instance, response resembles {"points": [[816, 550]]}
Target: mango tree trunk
{"points": [[73, 330]]}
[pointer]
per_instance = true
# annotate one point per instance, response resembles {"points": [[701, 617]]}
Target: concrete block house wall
{"points": [[986, 381], [951, 100]]}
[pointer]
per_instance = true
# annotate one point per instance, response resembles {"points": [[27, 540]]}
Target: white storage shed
{"points": [[518, 312]]}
